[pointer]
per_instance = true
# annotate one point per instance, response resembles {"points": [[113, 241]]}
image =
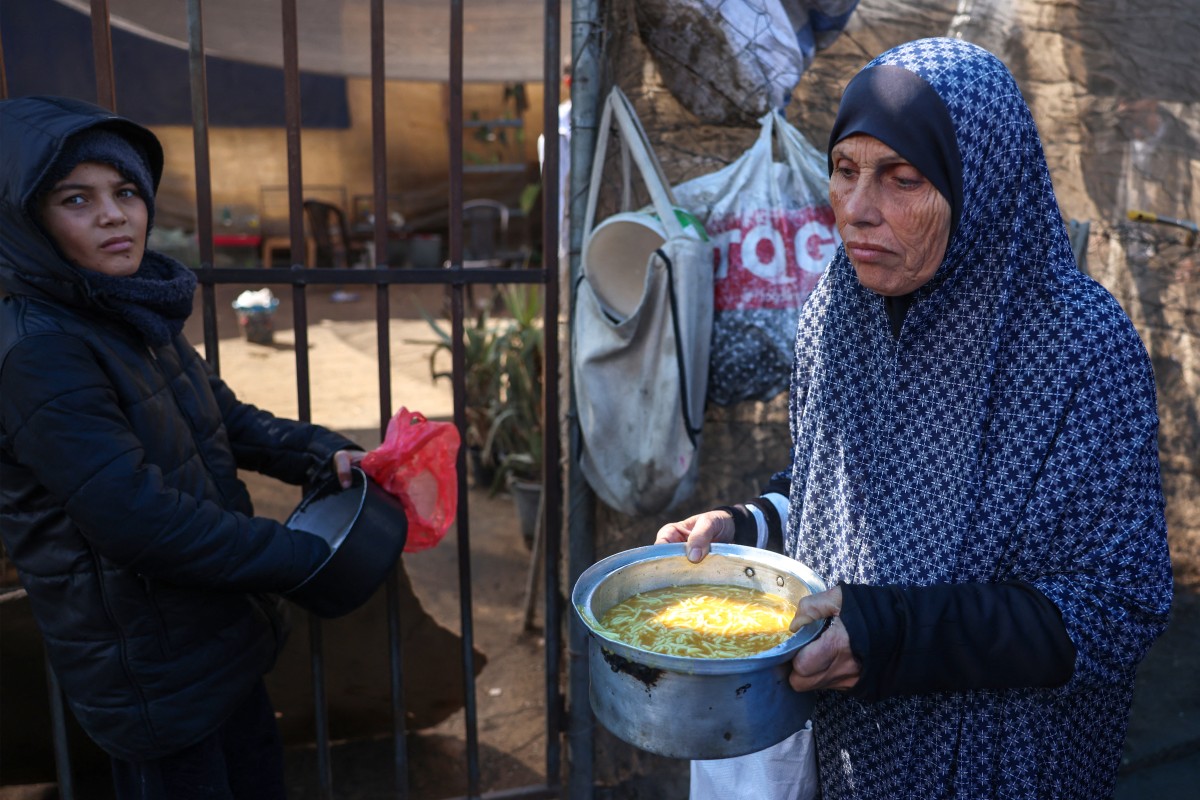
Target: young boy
{"points": [[120, 503]]}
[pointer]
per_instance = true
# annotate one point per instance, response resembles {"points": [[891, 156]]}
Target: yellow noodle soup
{"points": [[701, 621]]}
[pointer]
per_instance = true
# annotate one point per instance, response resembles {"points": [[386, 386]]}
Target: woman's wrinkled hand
{"points": [[343, 462], [698, 532], [826, 662]]}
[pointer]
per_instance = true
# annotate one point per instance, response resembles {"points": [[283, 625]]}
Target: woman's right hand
{"points": [[698, 532]]}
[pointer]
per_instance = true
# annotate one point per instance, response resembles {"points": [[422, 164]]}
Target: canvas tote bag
{"points": [[640, 339]]}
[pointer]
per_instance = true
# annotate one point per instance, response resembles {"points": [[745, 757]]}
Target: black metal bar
{"points": [[396, 658], [58, 723], [383, 345], [102, 58], [493, 123], [551, 480], [379, 134], [296, 246], [3, 73], [493, 169], [316, 657], [379, 163], [304, 277], [586, 69], [198, 81], [291, 93], [458, 368]]}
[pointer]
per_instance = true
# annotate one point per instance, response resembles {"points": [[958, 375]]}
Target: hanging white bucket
{"points": [[617, 254]]}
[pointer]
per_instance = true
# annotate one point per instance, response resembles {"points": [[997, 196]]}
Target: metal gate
{"points": [[381, 277]]}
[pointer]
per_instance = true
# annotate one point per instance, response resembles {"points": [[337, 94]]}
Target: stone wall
{"points": [[1121, 130]]}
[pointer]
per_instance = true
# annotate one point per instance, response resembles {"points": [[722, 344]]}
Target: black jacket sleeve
{"points": [[944, 638], [64, 422], [291, 451]]}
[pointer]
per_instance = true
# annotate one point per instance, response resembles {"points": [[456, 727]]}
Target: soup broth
{"points": [[701, 621]]}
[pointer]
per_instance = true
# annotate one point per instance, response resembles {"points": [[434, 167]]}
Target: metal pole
{"points": [[581, 513], [551, 523], [383, 344], [58, 722], [458, 366], [3, 73], [198, 78], [291, 102], [396, 657], [106, 86]]}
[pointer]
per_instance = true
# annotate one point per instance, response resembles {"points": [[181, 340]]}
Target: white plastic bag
{"points": [[750, 56], [640, 343], [785, 771], [772, 233]]}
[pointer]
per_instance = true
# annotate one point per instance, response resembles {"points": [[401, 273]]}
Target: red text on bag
{"points": [[770, 258]]}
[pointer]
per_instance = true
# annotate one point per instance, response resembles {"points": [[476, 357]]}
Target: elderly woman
{"points": [[974, 464]]}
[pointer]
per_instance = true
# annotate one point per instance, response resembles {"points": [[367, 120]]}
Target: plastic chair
{"points": [[333, 246], [485, 233]]}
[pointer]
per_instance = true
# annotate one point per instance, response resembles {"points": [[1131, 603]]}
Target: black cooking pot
{"points": [[366, 529]]}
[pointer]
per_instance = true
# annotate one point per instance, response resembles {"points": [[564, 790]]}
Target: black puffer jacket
{"points": [[119, 498]]}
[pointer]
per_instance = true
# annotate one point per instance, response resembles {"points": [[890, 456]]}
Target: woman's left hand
{"points": [[698, 532], [826, 662], [343, 462]]}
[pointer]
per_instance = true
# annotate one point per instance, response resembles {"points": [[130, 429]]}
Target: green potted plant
{"points": [[482, 356], [503, 364], [518, 420], [518, 426]]}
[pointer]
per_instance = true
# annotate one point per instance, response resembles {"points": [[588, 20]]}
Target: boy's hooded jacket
{"points": [[120, 503]]}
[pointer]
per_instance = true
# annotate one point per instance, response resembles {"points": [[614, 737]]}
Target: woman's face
{"points": [[98, 219], [894, 223]]}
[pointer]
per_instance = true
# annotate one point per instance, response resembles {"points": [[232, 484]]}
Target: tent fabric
{"points": [[502, 39], [150, 73]]}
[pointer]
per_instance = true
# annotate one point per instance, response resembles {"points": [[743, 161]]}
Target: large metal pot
{"points": [[694, 708]]}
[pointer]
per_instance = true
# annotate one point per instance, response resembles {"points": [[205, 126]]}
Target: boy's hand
{"points": [[343, 462]]}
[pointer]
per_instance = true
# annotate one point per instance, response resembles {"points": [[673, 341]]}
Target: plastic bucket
{"points": [[255, 314], [257, 324], [617, 254]]}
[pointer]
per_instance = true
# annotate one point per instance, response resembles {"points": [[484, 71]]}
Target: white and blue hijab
{"points": [[1008, 433]]}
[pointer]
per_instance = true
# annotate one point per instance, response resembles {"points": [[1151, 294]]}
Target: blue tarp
{"points": [[48, 50]]}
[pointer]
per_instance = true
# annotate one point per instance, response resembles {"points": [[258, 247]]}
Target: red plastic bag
{"points": [[417, 463]]}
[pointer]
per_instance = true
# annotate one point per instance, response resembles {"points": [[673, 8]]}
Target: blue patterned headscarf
{"points": [[1008, 433]]}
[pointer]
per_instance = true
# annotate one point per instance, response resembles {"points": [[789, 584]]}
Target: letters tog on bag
{"points": [[772, 234]]}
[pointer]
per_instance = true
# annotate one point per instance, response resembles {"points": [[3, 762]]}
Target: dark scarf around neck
{"points": [[156, 300]]}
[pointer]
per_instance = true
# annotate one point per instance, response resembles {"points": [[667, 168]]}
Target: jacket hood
{"points": [[33, 131]]}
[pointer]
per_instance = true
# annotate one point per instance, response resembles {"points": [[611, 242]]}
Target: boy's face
{"points": [[98, 219]]}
